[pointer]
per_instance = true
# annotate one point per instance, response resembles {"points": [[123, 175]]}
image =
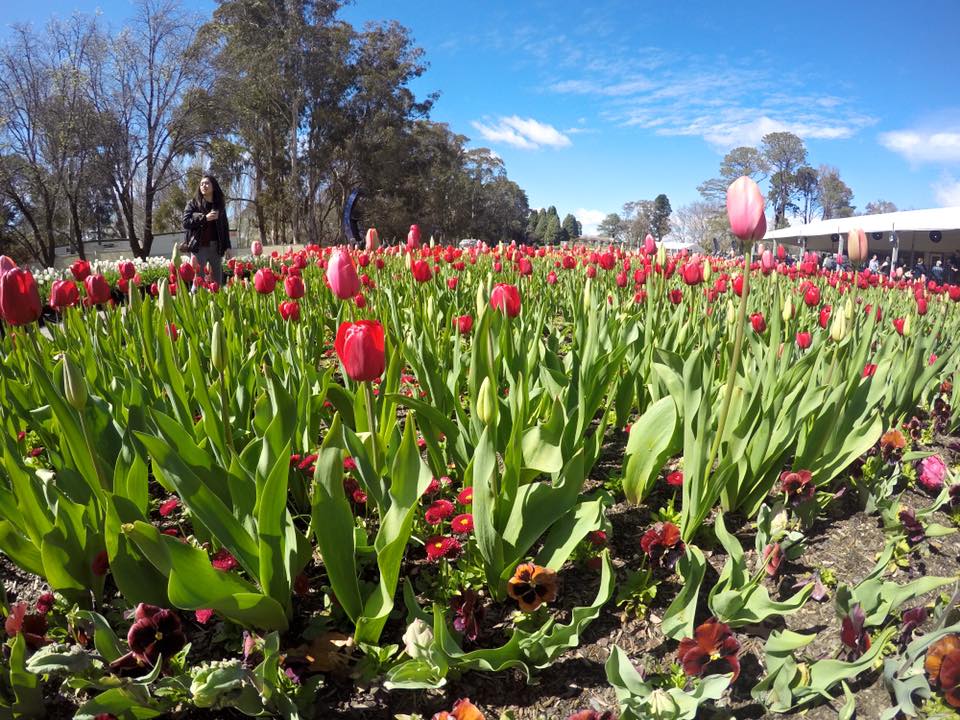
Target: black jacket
{"points": [[194, 219]]}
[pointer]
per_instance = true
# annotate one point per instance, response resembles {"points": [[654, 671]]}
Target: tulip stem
{"points": [[371, 425], [225, 410], [732, 369]]}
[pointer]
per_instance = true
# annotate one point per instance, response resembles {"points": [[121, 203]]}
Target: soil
{"points": [[845, 540]]}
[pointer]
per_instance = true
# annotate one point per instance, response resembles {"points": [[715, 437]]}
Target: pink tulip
{"points": [[342, 275], [256, 247], [767, 262], [6, 264], [413, 237], [649, 244], [857, 245], [373, 240], [745, 209]]}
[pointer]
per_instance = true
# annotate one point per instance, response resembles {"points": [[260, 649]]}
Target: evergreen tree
{"points": [[660, 217], [571, 225], [553, 233], [541, 230]]}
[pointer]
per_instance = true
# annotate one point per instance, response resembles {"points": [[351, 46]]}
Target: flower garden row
{"points": [[379, 464]]}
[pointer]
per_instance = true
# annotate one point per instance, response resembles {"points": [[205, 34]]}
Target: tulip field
{"points": [[505, 481]]}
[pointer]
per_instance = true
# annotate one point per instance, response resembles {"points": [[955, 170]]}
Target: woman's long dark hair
{"points": [[219, 201]]}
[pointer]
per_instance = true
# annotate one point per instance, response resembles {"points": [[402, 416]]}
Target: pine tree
{"points": [[571, 225]]}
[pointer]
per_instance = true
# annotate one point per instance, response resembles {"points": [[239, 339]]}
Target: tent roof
{"points": [[947, 218]]}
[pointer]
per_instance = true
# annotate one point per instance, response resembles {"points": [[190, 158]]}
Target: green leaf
{"points": [[207, 506], [409, 479], [194, 584], [678, 620], [653, 439], [273, 523], [333, 524]]}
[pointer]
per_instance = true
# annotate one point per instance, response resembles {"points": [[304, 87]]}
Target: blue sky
{"points": [[593, 105]]}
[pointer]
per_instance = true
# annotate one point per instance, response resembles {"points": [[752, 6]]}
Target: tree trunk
{"points": [[77, 229], [258, 206]]}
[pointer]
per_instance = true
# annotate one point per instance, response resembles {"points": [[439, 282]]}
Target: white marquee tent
{"points": [[909, 234]]}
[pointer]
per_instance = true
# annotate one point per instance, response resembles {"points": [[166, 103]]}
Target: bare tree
{"points": [[157, 92]]}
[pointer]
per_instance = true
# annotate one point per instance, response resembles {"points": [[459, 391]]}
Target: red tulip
{"points": [[857, 245], [745, 209], [98, 290], [265, 281], [421, 271], [342, 275], [812, 296], [187, 272], [452, 282], [759, 324], [63, 294], [803, 340], [80, 270], [361, 348], [692, 273], [6, 263], [464, 324], [360, 301], [294, 287], [552, 278], [506, 299], [126, 269], [921, 306], [825, 315], [19, 298], [289, 310], [898, 325]]}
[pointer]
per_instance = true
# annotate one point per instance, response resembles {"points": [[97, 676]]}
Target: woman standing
{"points": [[207, 230]]}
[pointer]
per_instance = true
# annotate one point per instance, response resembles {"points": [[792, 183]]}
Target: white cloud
{"points": [[589, 219], [918, 146], [523, 133], [947, 191], [727, 103]]}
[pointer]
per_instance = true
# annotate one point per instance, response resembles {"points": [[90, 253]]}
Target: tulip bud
{"points": [[487, 404], [417, 639], [707, 270], [848, 308], [838, 328], [731, 313], [74, 385], [906, 326], [165, 300], [661, 255], [661, 705], [218, 347], [175, 255], [787, 310]]}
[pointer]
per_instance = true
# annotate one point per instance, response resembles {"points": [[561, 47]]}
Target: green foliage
{"points": [[639, 699]]}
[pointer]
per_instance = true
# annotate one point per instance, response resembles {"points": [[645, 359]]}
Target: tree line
{"points": [[104, 134]]}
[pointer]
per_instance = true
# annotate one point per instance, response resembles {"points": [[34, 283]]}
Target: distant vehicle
{"points": [[469, 243]]}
